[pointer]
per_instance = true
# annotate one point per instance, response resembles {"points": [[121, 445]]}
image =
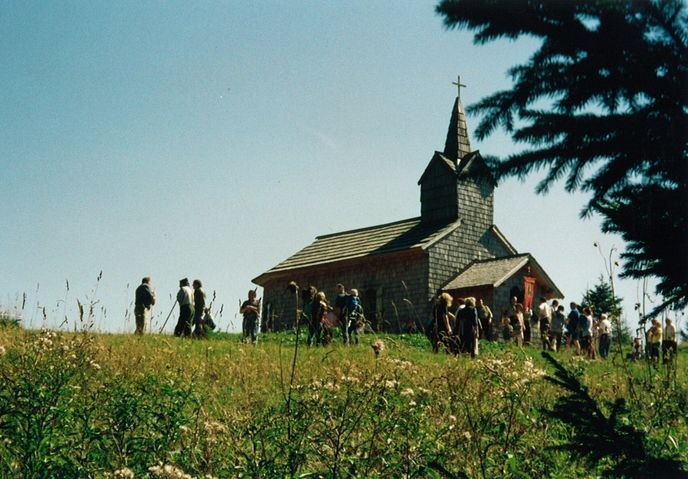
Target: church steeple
{"points": [[457, 144], [457, 184]]}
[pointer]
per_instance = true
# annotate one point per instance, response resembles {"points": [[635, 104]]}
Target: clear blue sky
{"points": [[214, 139]]}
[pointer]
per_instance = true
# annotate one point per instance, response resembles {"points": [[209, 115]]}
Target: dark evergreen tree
{"points": [[603, 301], [602, 103], [601, 298]]}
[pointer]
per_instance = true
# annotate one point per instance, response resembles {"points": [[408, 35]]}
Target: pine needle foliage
{"points": [[601, 105], [599, 438]]}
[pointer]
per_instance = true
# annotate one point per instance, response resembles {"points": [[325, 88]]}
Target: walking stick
{"points": [[168, 317]]}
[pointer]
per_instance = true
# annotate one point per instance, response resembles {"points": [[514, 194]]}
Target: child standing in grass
{"points": [[356, 319]]}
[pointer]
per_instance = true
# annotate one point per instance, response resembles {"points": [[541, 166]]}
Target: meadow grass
{"points": [[87, 405]]}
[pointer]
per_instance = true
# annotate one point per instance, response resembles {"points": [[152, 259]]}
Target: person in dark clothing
{"points": [[145, 299], [485, 317], [199, 308], [307, 298], [341, 309], [467, 317], [251, 311], [440, 327], [573, 327], [185, 298]]}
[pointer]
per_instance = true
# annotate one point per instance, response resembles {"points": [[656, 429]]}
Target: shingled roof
{"points": [[374, 240], [494, 272]]}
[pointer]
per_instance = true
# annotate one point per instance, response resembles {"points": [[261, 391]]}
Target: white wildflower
{"points": [[213, 427], [168, 471], [2, 350], [124, 473], [412, 403], [407, 392]]}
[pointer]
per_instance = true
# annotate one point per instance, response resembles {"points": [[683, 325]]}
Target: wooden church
{"points": [[398, 267]]}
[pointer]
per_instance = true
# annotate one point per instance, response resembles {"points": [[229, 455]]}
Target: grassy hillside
{"points": [[85, 405]]}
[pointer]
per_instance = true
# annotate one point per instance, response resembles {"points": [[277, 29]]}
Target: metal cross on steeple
{"points": [[458, 86]]}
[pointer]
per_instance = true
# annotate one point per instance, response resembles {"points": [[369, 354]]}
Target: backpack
{"points": [[208, 321]]}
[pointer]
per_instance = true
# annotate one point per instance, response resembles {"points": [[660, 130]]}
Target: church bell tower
{"points": [[457, 184]]}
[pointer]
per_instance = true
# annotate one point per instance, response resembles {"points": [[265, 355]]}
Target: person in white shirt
{"points": [[669, 344], [185, 298], [545, 316], [605, 331]]}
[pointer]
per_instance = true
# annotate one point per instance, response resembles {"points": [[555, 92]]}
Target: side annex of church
{"points": [[398, 267]]}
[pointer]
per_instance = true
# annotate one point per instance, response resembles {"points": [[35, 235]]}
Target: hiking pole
{"points": [[168, 317]]}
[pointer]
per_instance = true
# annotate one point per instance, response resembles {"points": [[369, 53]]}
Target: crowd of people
{"points": [[194, 313], [456, 325], [322, 318]]}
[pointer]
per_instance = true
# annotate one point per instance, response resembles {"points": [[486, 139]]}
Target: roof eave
{"points": [[502, 238], [262, 279], [448, 230]]}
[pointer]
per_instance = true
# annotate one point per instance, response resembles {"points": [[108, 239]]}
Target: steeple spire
{"points": [[457, 144]]}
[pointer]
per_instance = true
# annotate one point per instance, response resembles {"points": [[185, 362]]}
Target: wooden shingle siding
{"points": [[400, 279]]}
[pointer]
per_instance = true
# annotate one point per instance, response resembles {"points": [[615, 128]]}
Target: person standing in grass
{"points": [[605, 330], [199, 308], [355, 315], [468, 318], [145, 299], [669, 345], [440, 328], [507, 329], [545, 316], [341, 309], [654, 340], [557, 329], [307, 298], [185, 298], [573, 327], [519, 324], [485, 317], [251, 311], [320, 308], [586, 325]]}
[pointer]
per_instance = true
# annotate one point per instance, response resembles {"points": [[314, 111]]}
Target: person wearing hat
{"points": [[185, 299]]}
